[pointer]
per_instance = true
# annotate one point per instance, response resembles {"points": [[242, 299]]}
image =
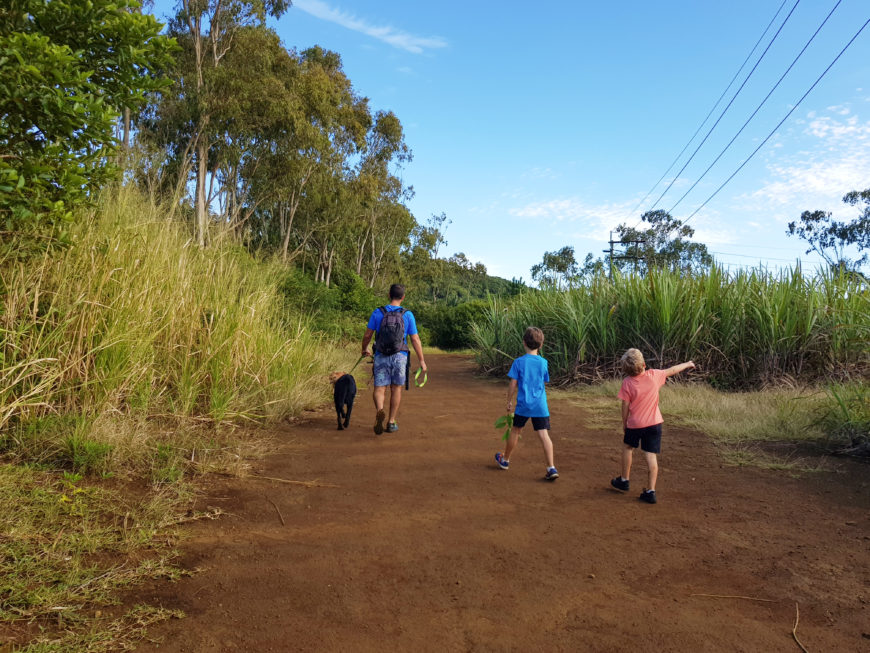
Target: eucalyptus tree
{"points": [[386, 220], [207, 31], [831, 239], [556, 268], [665, 243]]}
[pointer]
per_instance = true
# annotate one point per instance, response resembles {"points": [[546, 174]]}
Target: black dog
{"points": [[344, 391]]}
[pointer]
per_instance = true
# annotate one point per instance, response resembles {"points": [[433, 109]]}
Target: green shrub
{"points": [[450, 327]]}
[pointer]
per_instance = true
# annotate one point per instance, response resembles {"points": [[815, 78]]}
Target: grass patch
{"points": [[119, 634], [743, 424], [68, 545], [774, 415]]}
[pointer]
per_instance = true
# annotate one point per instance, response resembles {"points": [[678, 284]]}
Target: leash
{"points": [[417, 378], [358, 361]]}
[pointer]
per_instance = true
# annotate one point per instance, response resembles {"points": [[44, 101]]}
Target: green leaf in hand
{"points": [[505, 422]]}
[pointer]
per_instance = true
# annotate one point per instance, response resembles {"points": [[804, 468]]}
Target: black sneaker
{"points": [[620, 483], [648, 496]]}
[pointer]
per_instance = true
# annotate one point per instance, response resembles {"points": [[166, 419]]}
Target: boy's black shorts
{"points": [[538, 423], [649, 438]]}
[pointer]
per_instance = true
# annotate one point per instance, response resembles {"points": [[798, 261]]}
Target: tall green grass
{"points": [[132, 353], [108, 346], [743, 330]]}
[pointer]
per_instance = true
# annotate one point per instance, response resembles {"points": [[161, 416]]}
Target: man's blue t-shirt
{"points": [[531, 374], [407, 317]]}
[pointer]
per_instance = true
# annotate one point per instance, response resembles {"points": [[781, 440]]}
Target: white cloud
{"points": [[834, 159], [596, 220], [387, 34], [840, 109]]}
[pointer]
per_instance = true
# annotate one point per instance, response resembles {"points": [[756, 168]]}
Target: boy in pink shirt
{"points": [[641, 417]]}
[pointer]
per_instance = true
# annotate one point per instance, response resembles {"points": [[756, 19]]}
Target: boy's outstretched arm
{"points": [[676, 369], [512, 390]]}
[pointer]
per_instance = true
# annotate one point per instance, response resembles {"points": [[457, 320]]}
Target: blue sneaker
{"points": [[501, 462], [552, 474], [392, 427]]}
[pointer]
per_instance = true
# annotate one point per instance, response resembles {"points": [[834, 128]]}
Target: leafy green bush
{"points": [[450, 327], [67, 70]]}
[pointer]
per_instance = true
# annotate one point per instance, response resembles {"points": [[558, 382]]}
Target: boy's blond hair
{"points": [[632, 362], [533, 337]]}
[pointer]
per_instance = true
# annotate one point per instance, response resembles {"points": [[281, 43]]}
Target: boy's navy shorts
{"points": [[649, 438], [538, 423]]}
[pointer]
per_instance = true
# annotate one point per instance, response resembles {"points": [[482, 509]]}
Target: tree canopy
{"points": [[664, 244], [68, 68], [831, 239]]}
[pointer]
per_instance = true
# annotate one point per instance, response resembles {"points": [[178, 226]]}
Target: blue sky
{"points": [[536, 126]]}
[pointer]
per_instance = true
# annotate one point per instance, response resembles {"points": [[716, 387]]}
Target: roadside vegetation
{"points": [[788, 352], [183, 258], [748, 329], [131, 355], [784, 428]]}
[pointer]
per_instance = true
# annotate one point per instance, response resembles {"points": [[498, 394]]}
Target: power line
{"points": [[710, 113], [779, 124], [758, 108], [766, 258], [724, 111]]}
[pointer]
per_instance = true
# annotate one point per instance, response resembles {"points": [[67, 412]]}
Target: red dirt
{"points": [[426, 546]]}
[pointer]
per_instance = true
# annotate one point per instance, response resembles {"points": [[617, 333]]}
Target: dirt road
{"points": [[425, 545]]}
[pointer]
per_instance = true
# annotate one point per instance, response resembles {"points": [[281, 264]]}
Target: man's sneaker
{"points": [[392, 427], [648, 496], [552, 474], [501, 462], [620, 483], [379, 422]]}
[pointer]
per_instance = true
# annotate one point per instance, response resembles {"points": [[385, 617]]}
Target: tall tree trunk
{"points": [[329, 267], [125, 140], [201, 213]]}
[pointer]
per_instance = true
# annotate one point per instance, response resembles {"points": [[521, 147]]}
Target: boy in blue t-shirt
{"points": [[528, 374]]}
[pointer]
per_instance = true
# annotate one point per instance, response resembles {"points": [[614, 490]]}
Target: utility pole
{"points": [[610, 256], [623, 256]]}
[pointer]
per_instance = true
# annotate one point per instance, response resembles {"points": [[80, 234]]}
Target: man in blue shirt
{"points": [[392, 356]]}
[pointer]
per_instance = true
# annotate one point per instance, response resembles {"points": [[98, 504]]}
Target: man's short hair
{"points": [[533, 337], [397, 291], [632, 362]]}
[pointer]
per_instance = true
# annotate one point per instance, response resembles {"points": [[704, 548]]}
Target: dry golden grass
{"points": [[740, 423]]}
